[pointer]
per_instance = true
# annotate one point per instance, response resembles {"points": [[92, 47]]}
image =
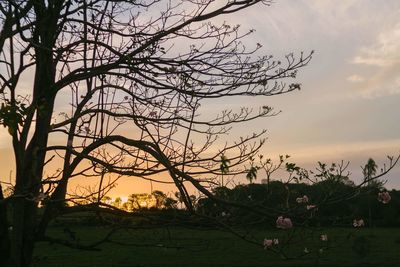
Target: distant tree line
{"points": [[334, 202], [326, 203]]}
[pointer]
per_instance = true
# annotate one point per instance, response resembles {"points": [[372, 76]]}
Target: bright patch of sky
{"points": [[4, 137]]}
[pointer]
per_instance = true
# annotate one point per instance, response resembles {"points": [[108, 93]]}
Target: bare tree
{"points": [[133, 75]]}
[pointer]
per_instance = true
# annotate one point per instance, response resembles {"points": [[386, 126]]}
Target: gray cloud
{"points": [[383, 56]]}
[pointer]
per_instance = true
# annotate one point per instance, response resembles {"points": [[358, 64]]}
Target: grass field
{"points": [[184, 247]]}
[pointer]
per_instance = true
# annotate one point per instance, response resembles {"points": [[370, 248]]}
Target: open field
{"points": [[185, 247]]}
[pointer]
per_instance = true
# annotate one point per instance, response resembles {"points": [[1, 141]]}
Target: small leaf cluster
{"points": [[224, 166], [12, 115]]}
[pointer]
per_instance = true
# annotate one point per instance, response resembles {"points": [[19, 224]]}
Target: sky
{"points": [[349, 105]]}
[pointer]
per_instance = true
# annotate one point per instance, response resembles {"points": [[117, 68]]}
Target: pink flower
{"points": [[358, 223], [303, 199], [283, 223], [310, 207], [267, 243], [324, 237], [384, 197]]}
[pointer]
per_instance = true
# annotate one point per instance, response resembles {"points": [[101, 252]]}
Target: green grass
{"points": [[184, 247]]}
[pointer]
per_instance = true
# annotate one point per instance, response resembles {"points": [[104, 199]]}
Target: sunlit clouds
{"points": [[383, 57], [384, 52], [355, 78]]}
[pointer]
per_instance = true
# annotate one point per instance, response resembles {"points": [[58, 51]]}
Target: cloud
{"points": [[381, 85], [383, 56], [384, 52], [351, 19], [355, 78], [340, 150]]}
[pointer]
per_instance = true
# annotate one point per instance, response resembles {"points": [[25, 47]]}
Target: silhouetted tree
{"points": [[117, 202], [369, 171], [115, 87], [160, 198], [4, 238]]}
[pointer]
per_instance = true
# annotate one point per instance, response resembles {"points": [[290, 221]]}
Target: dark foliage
{"points": [[337, 204]]}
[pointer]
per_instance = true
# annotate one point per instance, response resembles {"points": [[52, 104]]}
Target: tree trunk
{"points": [[29, 172], [4, 232], [22, 237], [30, 168], [28, 184]]}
